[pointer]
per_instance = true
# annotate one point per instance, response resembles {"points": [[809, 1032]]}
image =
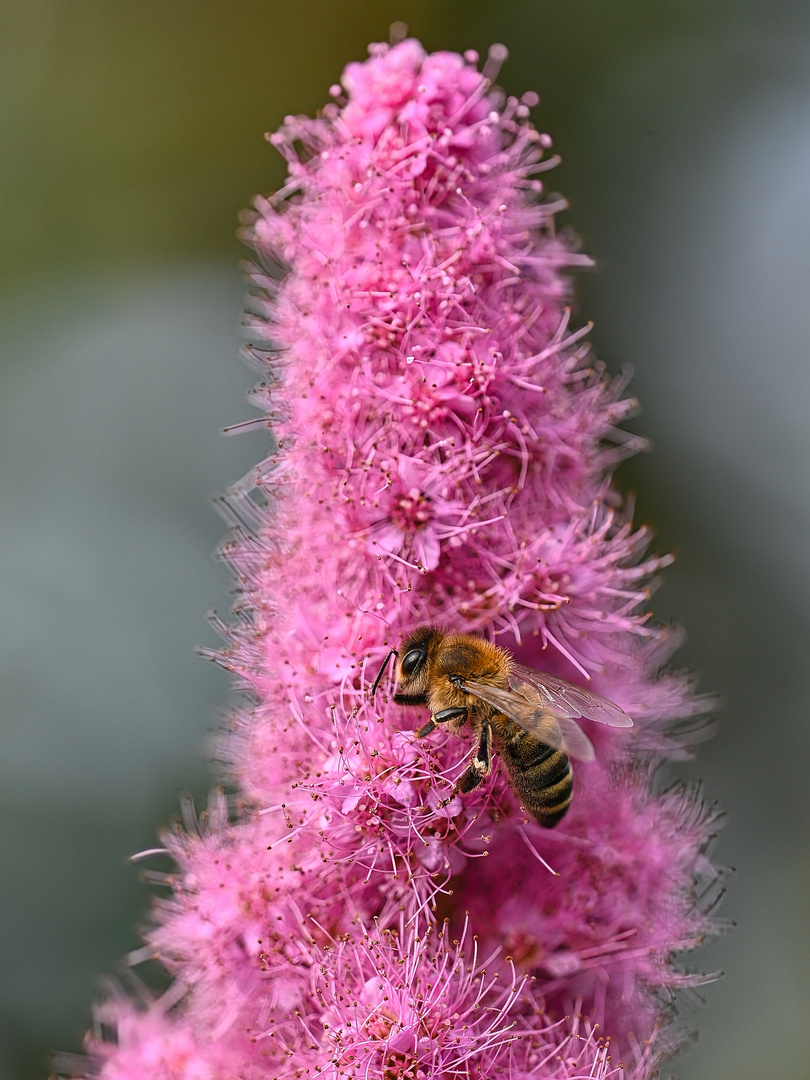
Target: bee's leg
{"points": [[481, 764], [441, 717], [448, 714]]}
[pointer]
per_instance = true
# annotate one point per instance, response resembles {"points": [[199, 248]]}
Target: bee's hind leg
{"points": [[481, 763]]}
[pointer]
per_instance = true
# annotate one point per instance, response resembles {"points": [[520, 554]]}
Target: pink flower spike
{"points": [[444, 448]]}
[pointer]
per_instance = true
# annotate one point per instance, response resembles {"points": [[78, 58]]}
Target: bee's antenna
{"points": [[384, 665]]}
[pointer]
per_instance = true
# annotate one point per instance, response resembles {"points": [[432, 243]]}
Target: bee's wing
{"points": [[565, 699], [534, 715]]}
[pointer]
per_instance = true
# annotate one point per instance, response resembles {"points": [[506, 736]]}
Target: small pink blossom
{"points": [[416, 514], [445, 441]]}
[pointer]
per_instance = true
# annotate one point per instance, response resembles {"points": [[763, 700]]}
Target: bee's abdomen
{"points": [[541, 776]]}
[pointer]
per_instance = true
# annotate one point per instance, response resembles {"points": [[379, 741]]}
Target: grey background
{"points": [[131, 138]]}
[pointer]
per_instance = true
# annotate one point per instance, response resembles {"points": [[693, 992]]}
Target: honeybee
{"points": [[526, 715]]}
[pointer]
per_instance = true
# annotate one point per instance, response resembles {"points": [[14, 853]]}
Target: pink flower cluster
{"points": [[444, 444]]}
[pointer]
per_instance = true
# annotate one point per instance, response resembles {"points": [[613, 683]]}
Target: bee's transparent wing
{"points": [[534, 715], [565, 699]]}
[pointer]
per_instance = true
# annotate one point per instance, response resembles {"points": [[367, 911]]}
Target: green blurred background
{"points": [[131, 138]]}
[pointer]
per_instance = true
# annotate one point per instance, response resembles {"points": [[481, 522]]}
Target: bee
{"points": [[525, 715]]}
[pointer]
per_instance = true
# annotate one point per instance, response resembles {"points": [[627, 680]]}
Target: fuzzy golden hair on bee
{"points": [[526, 716]]}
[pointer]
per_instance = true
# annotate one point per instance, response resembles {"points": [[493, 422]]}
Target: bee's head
{"points": [[413, 665]]}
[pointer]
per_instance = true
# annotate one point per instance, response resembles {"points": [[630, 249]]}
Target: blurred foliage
{"points": [[132, 130]]}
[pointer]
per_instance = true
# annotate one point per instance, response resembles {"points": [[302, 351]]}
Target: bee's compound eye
{"points": [[412, 659]]}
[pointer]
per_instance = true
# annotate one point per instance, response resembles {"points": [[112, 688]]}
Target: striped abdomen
{"points": [[541, 776]]}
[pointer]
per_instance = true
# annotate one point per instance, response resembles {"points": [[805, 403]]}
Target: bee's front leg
{"points": [[444, 715], [441, 717], [481, 763]]}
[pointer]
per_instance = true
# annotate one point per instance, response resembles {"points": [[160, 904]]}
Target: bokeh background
{"points": [[131, 137]]}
